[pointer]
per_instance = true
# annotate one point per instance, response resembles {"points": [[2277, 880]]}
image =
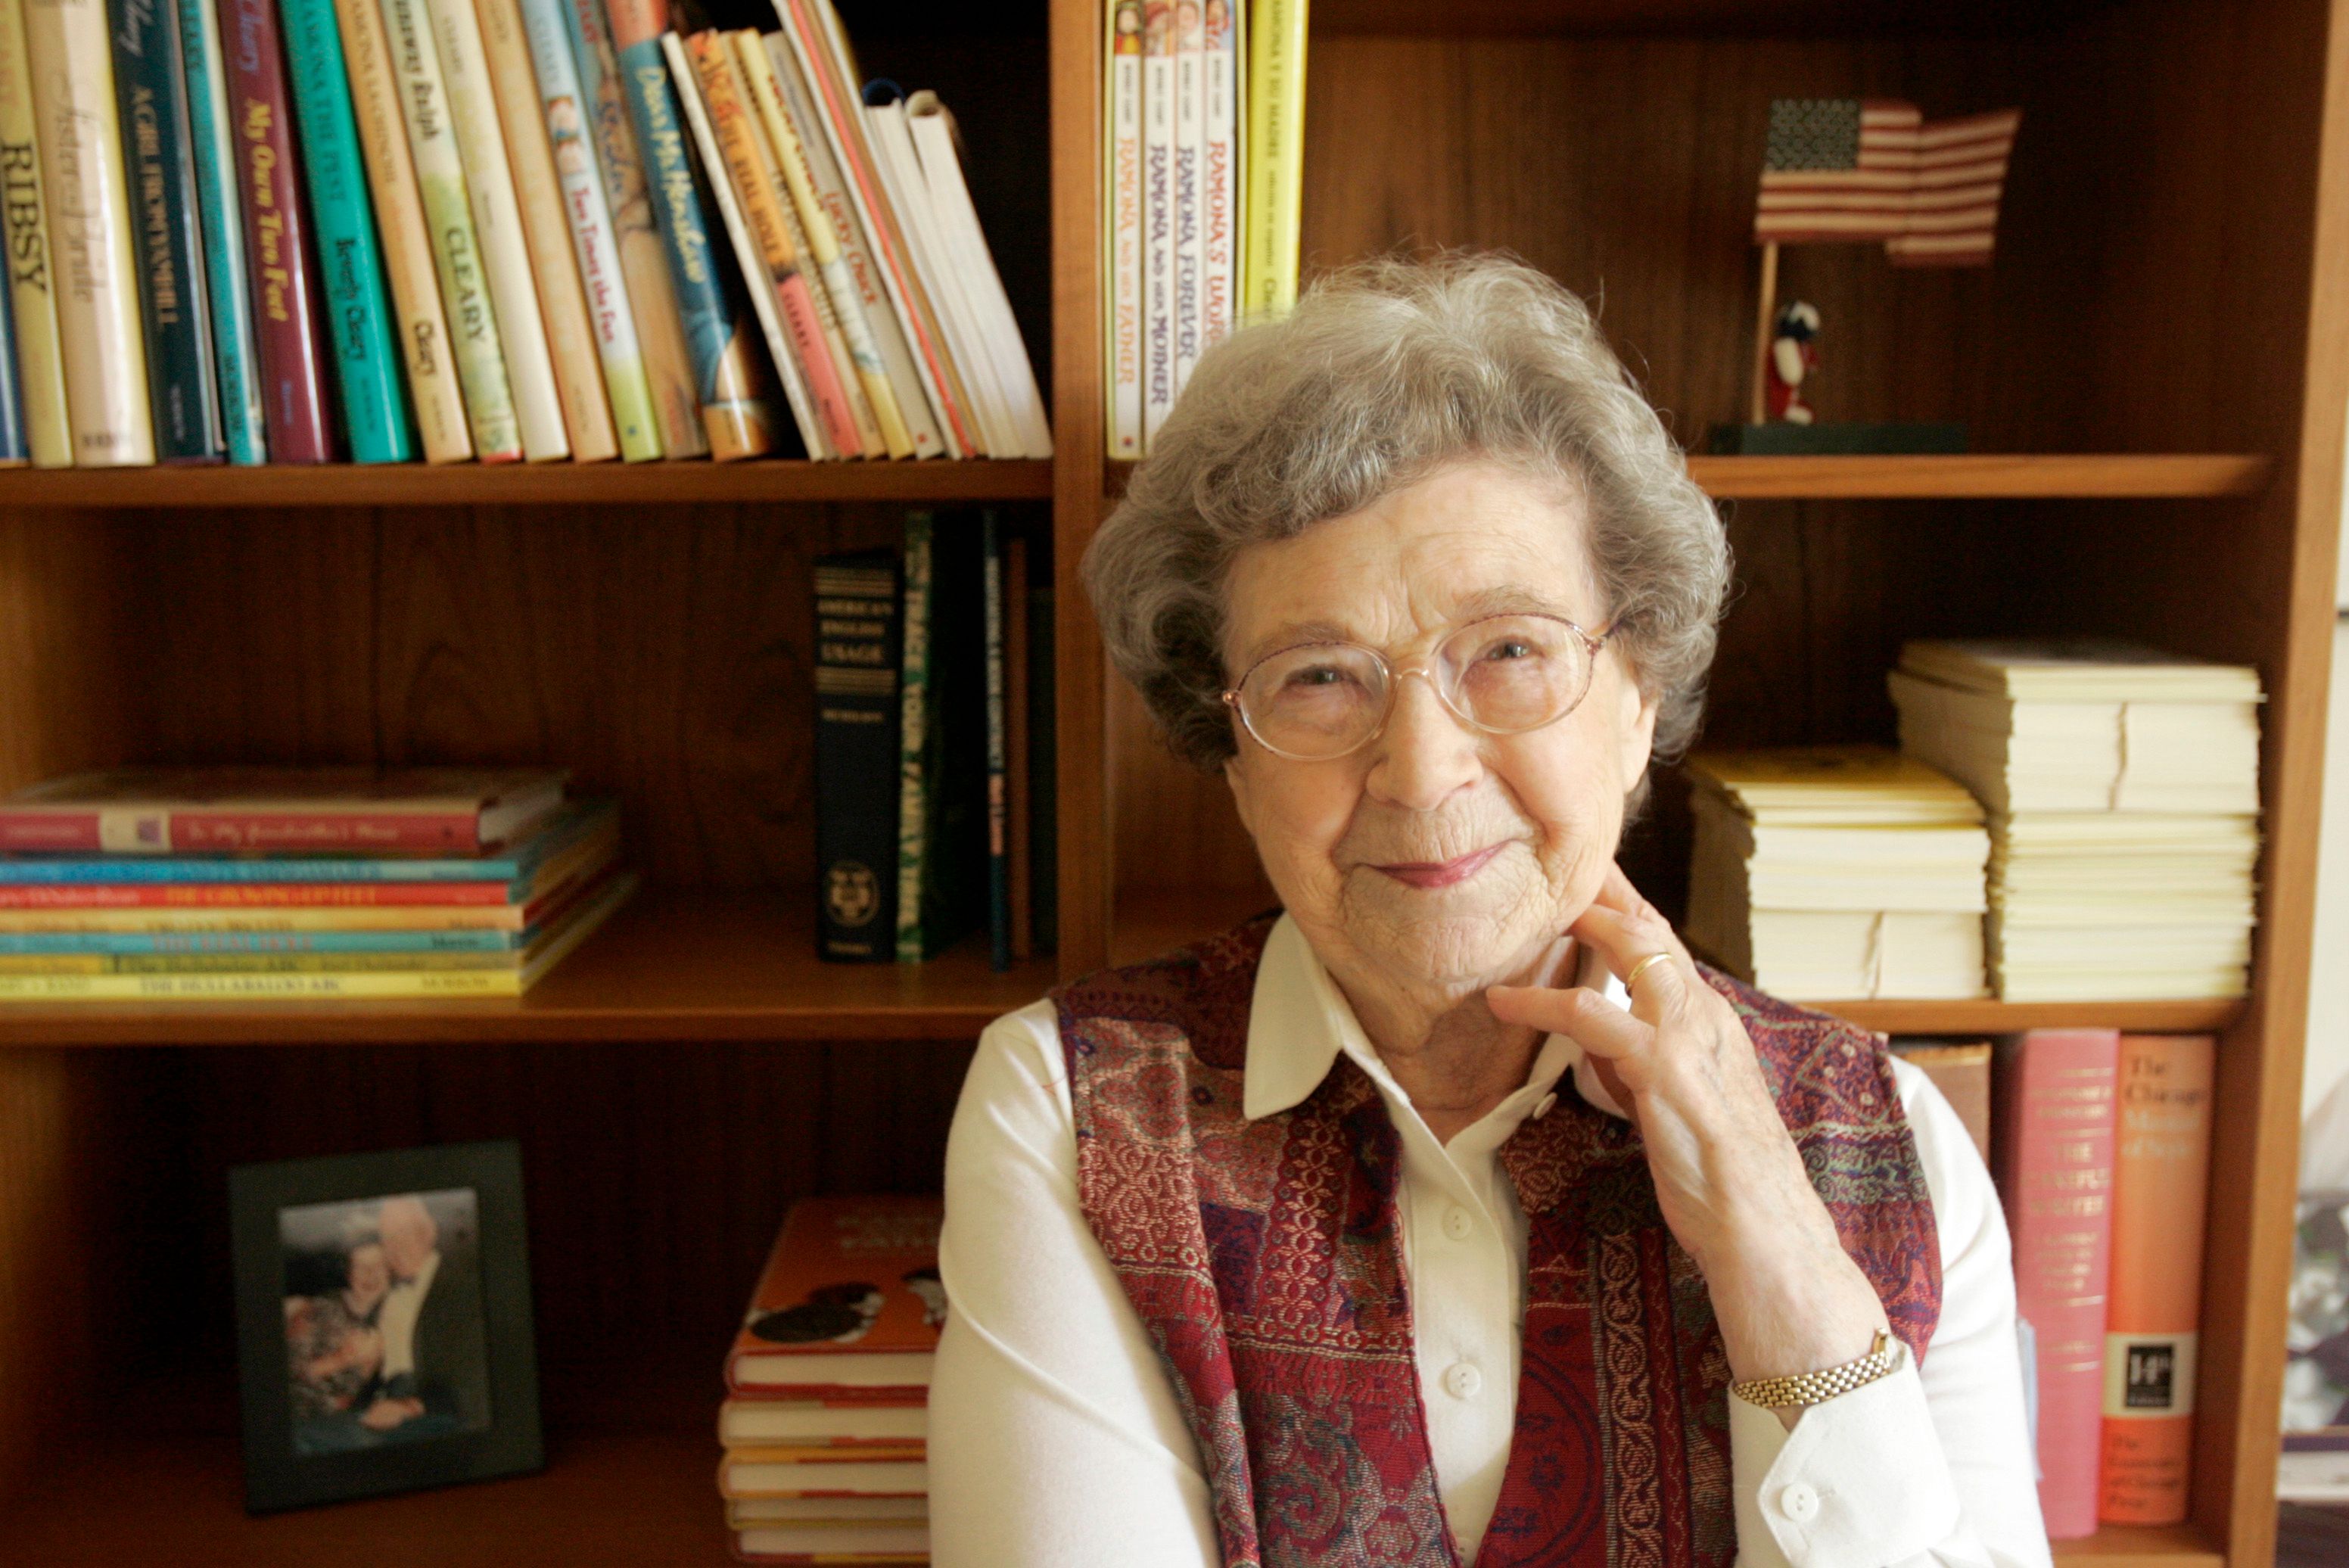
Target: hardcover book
{"points": [[1274, 196], [999, 747], [166, 231], [15, 449], [1219, 178], [941, 696], [39, 357], [822, 1472], [1190, 207], [857, 756], [228, 286], [1122, 255], [195, 811], [849, 1306], [1158, 216]]}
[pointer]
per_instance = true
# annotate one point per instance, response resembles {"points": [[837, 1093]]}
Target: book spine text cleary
{"points": [[456, 244], [738, 414], [32, 298], [359, 318], [857, 756], [158, 987], [1219, 180], [1157, 216], [1122, 256], [498, 224], [166, 231], [289, 350], [2053, 1154], [1275, 194], [2161, 1172], [1190, 205], [226, 281], [89, 210], [408, 275], [595, 244]]}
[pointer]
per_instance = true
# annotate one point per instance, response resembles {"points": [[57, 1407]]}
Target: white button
{"points": [[1462, 1381], [1459, 1223], [1798, 1502], [1548, 1103]]}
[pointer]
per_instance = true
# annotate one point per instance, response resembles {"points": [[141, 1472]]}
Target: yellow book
{"points": [[1275, 157], [41, 358]]}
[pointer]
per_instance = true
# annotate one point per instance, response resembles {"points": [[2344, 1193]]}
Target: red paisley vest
{"points": [[1266, 1260]]}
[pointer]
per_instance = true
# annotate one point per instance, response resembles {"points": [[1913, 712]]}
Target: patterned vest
{"points": [[1266, 1260]]}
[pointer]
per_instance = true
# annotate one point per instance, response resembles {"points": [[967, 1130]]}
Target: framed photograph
{"points": [[383, 1316]]}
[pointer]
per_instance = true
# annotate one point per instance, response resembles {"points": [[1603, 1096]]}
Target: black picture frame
{"points": [[268, 1204]]}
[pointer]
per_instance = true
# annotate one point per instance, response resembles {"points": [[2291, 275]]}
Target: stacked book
{"points": [[2123, 791], [826, 1422], [1201, 192], [1837, 871], [249, 885], [299, 231]]}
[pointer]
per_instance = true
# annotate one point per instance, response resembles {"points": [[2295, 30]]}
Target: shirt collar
{"points": [[1299, 1022]]}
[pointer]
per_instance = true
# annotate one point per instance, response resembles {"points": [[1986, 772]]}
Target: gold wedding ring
{"points": [[1631, 981]]}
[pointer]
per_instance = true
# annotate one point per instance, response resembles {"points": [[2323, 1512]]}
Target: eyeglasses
{"points": [[1504, 675]]}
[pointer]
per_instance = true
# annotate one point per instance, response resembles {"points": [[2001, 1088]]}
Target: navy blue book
{"points": [[13, 449]]}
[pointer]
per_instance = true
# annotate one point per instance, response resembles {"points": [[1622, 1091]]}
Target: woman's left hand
{"points": [[1728, 1177]]}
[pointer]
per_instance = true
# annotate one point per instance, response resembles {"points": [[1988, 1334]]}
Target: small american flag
{"points": [[1840, 169]]}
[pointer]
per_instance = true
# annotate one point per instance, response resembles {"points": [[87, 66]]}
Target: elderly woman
{"points": [[1456, 1216]]}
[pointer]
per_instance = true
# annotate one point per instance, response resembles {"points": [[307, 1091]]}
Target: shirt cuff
{"points": [[1861, 1481]]}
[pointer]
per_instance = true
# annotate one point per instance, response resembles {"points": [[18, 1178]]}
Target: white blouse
{"points": [[1056, 1439]]}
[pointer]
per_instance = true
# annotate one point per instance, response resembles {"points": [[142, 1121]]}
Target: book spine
{"points": [[1219, 181], [38, 357], [348, 962], [857, 758], [913, 736], [1043, 776], [2161, 1172], [1274, 207], [102, 832], [184, 988], [226, 283], [166, 231], [242, 895], [374, 402], [290, 354], [185, 924], [760, 191], [89, 210], [815, 225], [373, 97], [477, 344], [643, 262], [1122, 256], [15, 449], [594, 241], [505, 261], [554, 270], [737, 411], [1190, 205], [198, 944], [862, 266], [841, 113], [2054, 1151], [999, 760], [1018, 800], [1157, 217]]}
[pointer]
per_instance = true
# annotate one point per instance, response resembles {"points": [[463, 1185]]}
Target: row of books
{"points": [[1202, 191], [825, 1426], [934, 746], [290, 230], [2065, 820], [298, 884]]}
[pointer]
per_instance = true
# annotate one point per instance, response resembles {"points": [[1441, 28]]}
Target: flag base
{"points": [[1869, 439]]}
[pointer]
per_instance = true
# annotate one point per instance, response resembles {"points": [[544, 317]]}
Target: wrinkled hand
{"points": [[1728, 1177]]}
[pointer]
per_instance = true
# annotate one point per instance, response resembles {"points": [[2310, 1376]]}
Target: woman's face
{"points": [[1436, 857], [370, 1275]]}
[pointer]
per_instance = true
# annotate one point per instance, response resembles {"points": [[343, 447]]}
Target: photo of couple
{"points": [[385, 1335]]}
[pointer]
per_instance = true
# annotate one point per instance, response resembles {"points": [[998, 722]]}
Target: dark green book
{"points": [[942, 782], [857, 756], [150, 92]]}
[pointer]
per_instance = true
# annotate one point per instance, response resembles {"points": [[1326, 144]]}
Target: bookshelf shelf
{"points": [[1995, 1017], [2142, 1546], [523, 484], [673, 965]]}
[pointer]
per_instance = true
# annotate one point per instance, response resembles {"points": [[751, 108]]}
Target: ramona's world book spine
{"points": [[88, 209], [289, 353], [366, 361], [226, 285], [857, 756], [158, 166], [32, 276]]}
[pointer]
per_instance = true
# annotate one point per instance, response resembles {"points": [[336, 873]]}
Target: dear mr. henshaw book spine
{"points": [[857, 756]]}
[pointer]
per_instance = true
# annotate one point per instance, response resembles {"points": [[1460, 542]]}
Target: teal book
{"points": [[234, 357], [358, 316]]}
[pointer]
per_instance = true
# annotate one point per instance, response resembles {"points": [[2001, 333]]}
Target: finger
{"points": [[1581, 1015], [1623, 940]]}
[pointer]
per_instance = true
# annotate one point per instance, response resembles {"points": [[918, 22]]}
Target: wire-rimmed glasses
{"points": [[1504, 675]]}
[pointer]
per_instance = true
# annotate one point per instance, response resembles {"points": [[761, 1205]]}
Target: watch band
{"points": [[1816, 1387]]}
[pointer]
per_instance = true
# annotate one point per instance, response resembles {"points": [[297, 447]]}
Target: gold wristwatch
{"points": [[1818, 1387]]}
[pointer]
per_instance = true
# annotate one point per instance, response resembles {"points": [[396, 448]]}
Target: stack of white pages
{"points": [[1838, 872], [2122, 788]]}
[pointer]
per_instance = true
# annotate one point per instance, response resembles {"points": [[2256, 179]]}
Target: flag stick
{"points": [[1760, 409]]}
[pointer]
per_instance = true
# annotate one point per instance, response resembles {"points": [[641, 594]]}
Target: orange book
{"points": [[849, 1306], [2160, 1174]]}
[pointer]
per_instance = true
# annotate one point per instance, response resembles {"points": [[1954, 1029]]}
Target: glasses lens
{"points": [[1309, 702], [1515, 673]]}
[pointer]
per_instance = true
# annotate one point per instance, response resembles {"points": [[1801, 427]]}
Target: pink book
{"points": [[2052, 1150]]}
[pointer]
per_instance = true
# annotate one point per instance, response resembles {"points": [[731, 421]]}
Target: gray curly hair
{"points": [[1384, 373]]}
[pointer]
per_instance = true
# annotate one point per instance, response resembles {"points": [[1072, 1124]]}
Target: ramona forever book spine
{"points": [[857, 756]]}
